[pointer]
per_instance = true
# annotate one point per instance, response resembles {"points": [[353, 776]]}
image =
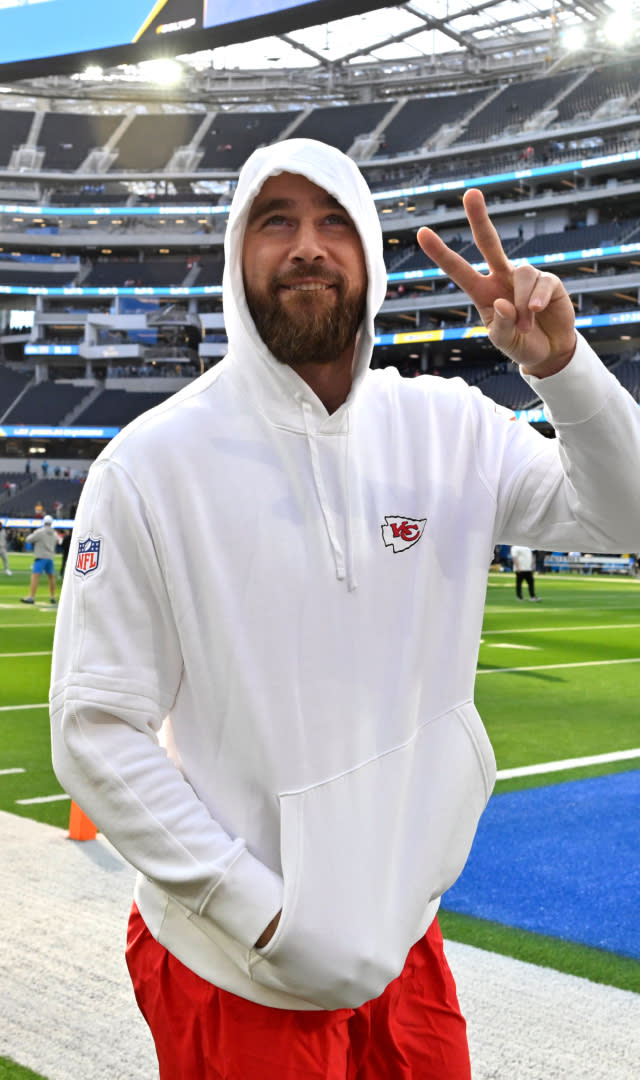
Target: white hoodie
{"points": [[265, 653]]}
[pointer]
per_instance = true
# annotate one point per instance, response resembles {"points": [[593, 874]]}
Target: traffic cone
{"points": [[80, 826]]}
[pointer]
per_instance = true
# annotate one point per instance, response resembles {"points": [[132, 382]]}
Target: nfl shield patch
{"points": [[88, 556]]}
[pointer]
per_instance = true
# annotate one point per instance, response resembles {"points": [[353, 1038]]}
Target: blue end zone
{"points": [[560, 860]]}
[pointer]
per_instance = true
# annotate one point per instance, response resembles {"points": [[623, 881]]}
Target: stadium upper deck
{"points": [[112, 217]]}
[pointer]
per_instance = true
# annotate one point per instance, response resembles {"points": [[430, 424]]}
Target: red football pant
{"points": [[413, 1031]]}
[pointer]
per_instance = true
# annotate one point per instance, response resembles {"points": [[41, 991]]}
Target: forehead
{"points": [[291, 191]]}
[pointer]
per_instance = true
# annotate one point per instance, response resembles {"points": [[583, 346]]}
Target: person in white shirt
{"points": [[524, 565], [45, 542], [277, 727], [3, 548]]}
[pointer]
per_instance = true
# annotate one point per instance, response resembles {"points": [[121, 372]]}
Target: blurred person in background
{"points": [[65, 545], [4, 546], [45, 542], [524, 565]]}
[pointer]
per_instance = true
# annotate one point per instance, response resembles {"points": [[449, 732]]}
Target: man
{"points": [[45, 541], [524, 565], [4, 546], [280, 733], [65, 545]]}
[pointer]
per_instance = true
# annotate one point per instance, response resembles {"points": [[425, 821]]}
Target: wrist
{"points": [[552, 365]]}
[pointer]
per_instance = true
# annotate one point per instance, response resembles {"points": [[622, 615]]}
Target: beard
{"points": [[307, 329]]}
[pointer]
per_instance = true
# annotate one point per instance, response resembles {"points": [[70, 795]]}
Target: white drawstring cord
{"points": [[338, 554]]}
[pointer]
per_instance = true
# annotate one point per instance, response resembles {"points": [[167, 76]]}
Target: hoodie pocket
{"points": [[366, 856]]}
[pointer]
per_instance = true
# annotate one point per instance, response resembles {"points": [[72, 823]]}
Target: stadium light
{"points": [[619, 27], [611, 31], [164, 72], [574, 39]]}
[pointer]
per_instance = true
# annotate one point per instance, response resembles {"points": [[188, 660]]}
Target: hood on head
{"points": [[336, 173]]}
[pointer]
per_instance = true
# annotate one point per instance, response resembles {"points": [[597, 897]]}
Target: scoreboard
{"points": [[40, 37]]}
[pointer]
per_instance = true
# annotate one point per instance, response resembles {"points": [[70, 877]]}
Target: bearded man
{"points": [[263, 672]]}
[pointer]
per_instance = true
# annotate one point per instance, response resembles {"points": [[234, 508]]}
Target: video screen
{"points": [[34, 30], [219, 12]]}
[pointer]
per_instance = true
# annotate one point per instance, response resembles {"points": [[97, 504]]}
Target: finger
{"points": [[525, 283], [544, 289], [532, 291], [452, 264], [484, 232]]}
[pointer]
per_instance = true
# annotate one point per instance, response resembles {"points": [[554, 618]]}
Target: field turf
{"points": [[557, 681]]}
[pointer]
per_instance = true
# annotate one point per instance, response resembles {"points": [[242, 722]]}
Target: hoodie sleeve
{"points": [[116, 670], [581, 490]]}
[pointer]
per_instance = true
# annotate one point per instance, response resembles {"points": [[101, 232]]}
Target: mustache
{"points": [[306, 273]]}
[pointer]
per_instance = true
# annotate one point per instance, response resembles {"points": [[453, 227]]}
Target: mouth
{"points": [[308, 286]]}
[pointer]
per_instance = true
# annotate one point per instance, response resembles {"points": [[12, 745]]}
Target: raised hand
{"points": [[527, 312]]}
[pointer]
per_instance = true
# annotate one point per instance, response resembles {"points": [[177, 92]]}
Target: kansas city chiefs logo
{"points": [[401, 533]]}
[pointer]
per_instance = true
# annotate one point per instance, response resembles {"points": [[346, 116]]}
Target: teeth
{"points": [[309, 287]]}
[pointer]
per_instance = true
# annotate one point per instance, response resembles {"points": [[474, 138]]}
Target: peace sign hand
{"points": [[527, 312]]}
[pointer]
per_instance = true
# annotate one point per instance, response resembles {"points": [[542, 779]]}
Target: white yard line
{"points": [[13, 655], [510, 645], [41, 799], [16, 708], [8, 772], [568, 763], [552, 667], [563, 629], [594, 579], [23, 626]]}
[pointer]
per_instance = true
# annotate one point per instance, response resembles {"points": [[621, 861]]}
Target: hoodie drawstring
{"points": [[338, 554]]}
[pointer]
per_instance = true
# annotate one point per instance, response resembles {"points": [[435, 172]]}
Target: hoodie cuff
{"points": [[579, 391], [246, 900]]}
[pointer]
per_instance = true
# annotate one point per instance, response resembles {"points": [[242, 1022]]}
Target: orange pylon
{"points": [[80, 826]]}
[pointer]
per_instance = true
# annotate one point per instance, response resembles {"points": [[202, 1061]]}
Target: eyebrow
{"points": [[272, 206]]}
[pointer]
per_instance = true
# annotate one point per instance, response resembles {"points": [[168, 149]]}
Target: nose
{"points": [[307, 245]]}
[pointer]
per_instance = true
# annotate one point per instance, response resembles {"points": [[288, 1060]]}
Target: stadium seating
{"points": [[12, 383], [46, 403], [171, 271], [149, 141], [14, 129], [628, 372], [516, 103], [340, 127], [420, 118], [67, 138], [231, 137], [600, 85], [115, 408], [46, 493], [509, 389], [34, 275]]}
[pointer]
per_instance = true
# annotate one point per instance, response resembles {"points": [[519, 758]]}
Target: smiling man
{"points": [[305, 280], [278, 730]]}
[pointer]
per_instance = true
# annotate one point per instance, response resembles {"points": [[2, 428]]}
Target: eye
{"points": [[336, 217], [275, 219]]}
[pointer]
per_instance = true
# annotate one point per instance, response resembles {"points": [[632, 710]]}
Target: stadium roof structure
{"points": [[418, 47]]}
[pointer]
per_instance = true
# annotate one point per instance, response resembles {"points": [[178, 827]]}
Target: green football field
{"points": [[557, 681], [558, 688]]}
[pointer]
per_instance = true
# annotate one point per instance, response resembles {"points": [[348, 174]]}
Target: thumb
{"points": [[504, 310]]}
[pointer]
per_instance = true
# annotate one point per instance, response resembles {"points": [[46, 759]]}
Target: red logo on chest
{"points": [[401, 533]]}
